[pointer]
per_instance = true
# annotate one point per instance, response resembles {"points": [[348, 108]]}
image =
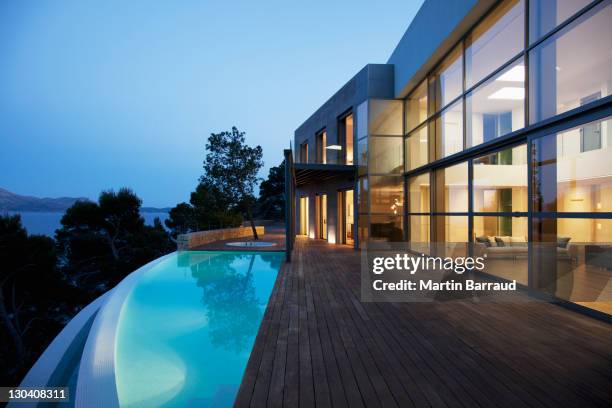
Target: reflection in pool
{"points": [[186, 331]]}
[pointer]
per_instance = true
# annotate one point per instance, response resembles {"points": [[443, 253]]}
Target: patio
{"points": [[318, 345]]}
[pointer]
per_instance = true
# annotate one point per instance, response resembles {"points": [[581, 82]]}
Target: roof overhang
{"points": [[310, 173]]}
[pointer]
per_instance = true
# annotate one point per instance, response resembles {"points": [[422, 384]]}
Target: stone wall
{"points": [[186, 242]]}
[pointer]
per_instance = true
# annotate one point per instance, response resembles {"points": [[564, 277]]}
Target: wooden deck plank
{"points": [[318, 345]]}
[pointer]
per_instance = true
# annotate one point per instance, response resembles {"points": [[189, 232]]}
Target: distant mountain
{"points": [[15, 202]]}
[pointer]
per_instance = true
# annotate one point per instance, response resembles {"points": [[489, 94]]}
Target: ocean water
{"points": [[187, 329], [45, 223]]}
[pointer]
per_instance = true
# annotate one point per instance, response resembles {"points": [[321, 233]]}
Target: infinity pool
{"points": [[186, 330]]}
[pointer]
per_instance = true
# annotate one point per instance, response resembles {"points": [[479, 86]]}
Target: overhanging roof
{"points": [[309, 173]]}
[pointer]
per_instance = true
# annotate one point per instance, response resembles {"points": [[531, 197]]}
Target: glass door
{"points": [[347, 217], [304, 215], [321, 209]]}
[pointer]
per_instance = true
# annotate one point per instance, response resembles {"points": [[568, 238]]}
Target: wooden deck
{"points": [[318, 345]]}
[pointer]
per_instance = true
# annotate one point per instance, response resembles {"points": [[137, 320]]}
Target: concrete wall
{"points": [[435, 29], [373, 81], [195, 239]]}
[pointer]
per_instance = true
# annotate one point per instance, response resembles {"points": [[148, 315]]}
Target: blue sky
{"points": [[105, 94]]}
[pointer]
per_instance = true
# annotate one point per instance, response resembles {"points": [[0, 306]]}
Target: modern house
{"points": [[490, 124]]}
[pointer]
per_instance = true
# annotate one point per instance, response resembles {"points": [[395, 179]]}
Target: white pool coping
{"points": [[96, 384], [54, 358]]}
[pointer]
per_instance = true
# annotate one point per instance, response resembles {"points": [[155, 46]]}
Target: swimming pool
{"points": [[186, 329]]}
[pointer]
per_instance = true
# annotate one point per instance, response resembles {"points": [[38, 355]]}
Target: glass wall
{"points": [[497, 107], [573, 170], [500, 181], [449, 131], [417, 148], [498, 38], [385, 155], [416, 107], [573, 67], [545, 15], [446, 82], [452, 188]]}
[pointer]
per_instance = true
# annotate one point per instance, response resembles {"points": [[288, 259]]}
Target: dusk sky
{"points": [[99, 95]]}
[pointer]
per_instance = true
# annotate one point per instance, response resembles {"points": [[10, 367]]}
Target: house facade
{"points": [[490, 125]]}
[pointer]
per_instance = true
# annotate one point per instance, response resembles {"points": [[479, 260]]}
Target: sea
{"points": [[45, 223]]}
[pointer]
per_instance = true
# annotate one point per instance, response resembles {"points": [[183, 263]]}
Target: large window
{"points": [[496, 40], [500, 181], [545, 15], [386, 195], [573, 67], [449, 131], [416, 107], [321, 140], [417, 148], [385, 155], [446, 82], [569, 179], [418, 193], [385, 117], [345, 132], [497, 107]]}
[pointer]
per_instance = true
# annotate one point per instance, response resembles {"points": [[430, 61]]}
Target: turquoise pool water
{"points": [[187, 329]]}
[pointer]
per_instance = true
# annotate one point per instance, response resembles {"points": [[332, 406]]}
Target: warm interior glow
{"points": [[511, 93]]}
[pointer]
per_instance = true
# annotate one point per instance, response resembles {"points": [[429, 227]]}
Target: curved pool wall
{"points": [[96, 386], [58, 364], [187, 320]]}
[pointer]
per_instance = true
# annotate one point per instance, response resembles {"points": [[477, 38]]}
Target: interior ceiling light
{"points": [[334, 147], [510, 93], [514, 74]]}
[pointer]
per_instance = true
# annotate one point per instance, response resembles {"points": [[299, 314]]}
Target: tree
{"points": [[231, 166], [207, 209], [32, 296], [271, 201], [104, 241], [181, 220]]}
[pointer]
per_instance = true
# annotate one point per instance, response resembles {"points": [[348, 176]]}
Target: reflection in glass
{"points": [[362, 195], [387, 195], [573, 67], [449, 131], [446, 82], [362, 155], [500, 181], [570, 178], [545, 15], [573, 260], [385, 155], [416, 107], [417, 148], [385, 117], [362, 120], [494, 41], [497, 107]]}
